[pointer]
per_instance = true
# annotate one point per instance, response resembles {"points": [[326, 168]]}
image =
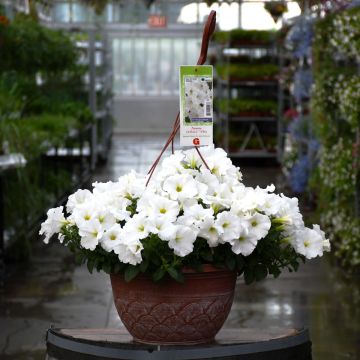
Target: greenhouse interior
{"points": [[130, 232]]}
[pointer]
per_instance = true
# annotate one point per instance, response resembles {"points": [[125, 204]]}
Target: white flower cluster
{"points": [[184, 201], [337, 170], [197, 94], [349, 103], [346, 33]]}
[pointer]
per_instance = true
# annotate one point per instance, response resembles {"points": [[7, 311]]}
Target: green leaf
{"points": [[260, 272], [158, 274], [131, 272], [249, 276], [230, 262], [240, 263], [107, 268], [90, 265], [207, 255], [79, 258], [176, 274], [144, 265]]}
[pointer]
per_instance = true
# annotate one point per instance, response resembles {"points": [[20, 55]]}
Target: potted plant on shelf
{"points": [[175, 247], [238, 37], [247, 72], [248, 107]]}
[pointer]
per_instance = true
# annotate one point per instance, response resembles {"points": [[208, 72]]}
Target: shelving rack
{"points": [[96, 55], [252, 126]]}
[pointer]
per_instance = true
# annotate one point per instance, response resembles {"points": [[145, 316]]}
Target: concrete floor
{"points": [[53, 291]]}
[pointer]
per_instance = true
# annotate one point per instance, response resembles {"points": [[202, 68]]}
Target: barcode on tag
{"points": [[208, 109]]}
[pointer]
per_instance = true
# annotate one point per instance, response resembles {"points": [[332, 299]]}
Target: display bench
{"points": [[230, 344]]}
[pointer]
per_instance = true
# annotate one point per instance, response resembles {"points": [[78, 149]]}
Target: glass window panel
{"points": [[116, 50], [153, 85], [140, 66], [61, 12], [193, 51], [166, 66], [80, 13], [179, 59], [126, 67], [150, 66]]}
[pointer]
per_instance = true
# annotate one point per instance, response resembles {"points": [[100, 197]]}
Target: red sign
{"points": [[196, 141], [157, 21]]}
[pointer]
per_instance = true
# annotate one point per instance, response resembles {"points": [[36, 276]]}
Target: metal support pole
{"points": [[92, 95], [240, 14]]}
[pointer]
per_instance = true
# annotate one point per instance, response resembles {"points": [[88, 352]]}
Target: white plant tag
{"points": [[196, 105]]}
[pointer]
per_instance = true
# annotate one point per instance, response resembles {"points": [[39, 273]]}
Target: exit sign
{"points": [[157, 21]]}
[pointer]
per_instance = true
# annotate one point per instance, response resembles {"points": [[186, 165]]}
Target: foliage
{"points": [[338, 176], [336, 112], [238, 106], [33, 136], [245, 36], [247, 71], [35, 48], [269, 258]]}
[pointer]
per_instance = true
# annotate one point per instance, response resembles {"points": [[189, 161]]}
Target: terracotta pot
{"points": [[172, 313]]}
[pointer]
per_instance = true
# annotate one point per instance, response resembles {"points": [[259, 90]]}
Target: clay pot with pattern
{"points": [[172, 313]]}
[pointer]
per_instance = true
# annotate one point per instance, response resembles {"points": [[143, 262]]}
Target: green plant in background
{"points": [[336, 113], [238, 106], [338, 175], [33, 136], [247, 71], [43, 105], [349, 101], [245, 36], [35, 48], [346, 38]]}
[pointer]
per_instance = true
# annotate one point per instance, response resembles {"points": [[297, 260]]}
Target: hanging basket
{"points": [[276, 9], [172, 313]]}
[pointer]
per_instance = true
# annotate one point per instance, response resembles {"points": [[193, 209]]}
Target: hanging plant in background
{"points": [[148, 3], [210, 2], [276, 9]]}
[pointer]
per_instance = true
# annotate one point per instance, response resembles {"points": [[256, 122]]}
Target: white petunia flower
{"points": [[111, 238], [183, 241], [105, 218], [272, 204], [161, 227], [308, 242], [198, 213], [84, 213], [219, 198], [53, 224], [245, 243], [258, 225], [161, 206], [209, 232], [129, 251], [80, 197], [137, 225], [228, 226], [118, 208], [326, 242], [91, 233], [180, 186]]}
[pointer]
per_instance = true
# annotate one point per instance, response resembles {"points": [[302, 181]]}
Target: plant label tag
{"points": [[196, 105]]}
